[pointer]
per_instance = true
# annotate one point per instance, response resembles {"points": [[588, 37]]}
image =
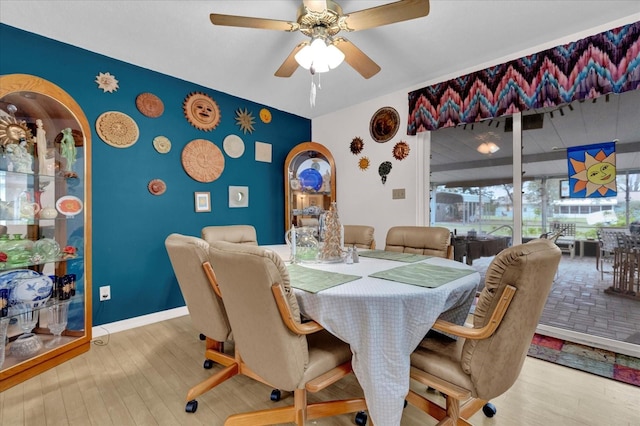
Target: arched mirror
{"points": [[309, 184]]}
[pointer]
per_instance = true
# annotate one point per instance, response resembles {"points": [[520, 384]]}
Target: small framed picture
{"points": [[203, 202]]}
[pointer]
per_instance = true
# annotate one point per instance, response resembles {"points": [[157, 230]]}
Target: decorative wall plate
{"points": [[162, 144], [384, 124], [149, 105], [201, 111], [117, 129], [265, 115], [202, 160], [233, 146], [69, 205], [310, 179], [157, 186]]}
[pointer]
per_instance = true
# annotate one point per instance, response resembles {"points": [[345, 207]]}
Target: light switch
{"points": [[397, 194]]}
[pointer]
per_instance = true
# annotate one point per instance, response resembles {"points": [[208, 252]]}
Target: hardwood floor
{"points": [[141, 376]]}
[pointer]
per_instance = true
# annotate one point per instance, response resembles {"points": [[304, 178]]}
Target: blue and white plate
{"points": [[36, 290]]}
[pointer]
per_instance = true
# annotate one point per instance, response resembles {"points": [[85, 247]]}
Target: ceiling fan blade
{"points": [[289, 65], [315, 5], [399, 11], [356, 58], [249, 22]]}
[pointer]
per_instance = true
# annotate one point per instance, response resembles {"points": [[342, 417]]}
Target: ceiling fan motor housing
{"points": [[329, 20]]}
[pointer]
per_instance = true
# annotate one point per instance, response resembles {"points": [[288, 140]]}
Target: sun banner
{"points": [[592, 170]]}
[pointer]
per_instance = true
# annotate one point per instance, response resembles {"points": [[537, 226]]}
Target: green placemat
{"points": [[423, 274], [393, 255], [315, 280]]}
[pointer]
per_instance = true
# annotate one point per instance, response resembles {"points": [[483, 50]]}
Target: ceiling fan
{"points": [[322, 20]]}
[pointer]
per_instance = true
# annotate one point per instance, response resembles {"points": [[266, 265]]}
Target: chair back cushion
{"points": [[495, 363], [359, 235], [241, 234], [187, 254], [427, 240], [245, 275]]}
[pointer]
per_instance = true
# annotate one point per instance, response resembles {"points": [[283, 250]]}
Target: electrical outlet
{"points": [[105, 293], [397, 194]]}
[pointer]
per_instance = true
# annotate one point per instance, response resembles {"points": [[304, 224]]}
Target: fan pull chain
{"points": [[312, 93]]}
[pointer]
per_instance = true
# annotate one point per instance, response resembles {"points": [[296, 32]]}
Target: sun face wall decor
{"points": [[401, 150], [356, 145], [12, 131], [201, 111], [245, 120], [363, 163], [106, 82], [149, 105], [265, 115]]}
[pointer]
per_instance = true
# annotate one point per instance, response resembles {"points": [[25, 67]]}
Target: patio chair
{"points": [[566, 238]]}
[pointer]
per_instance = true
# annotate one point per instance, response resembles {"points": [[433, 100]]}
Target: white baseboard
{"points": [[114, 327], [616, 346]]}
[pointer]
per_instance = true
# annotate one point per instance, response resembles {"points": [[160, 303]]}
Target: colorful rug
{"points": [[601, 362]]}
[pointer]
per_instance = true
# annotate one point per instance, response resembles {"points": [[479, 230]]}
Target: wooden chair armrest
{"points": [[487, 330], [208, 270], [287, 316]]}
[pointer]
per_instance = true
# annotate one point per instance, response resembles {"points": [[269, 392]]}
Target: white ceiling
{"points": [[177, 38]]}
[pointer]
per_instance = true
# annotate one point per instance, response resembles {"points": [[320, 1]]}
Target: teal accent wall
{"points": [[129, 224]]}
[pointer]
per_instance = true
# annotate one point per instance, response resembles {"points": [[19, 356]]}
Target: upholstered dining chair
{"points": [[361, 236], [189, 259], [273, 342], [486, 359], [427, 240], [242, 234]]}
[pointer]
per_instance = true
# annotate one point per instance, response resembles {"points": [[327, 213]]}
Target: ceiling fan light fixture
{"points": [[320, 56], [334, 56], [487, 148]]}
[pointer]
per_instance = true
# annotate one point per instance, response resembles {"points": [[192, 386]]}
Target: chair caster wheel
{"points": [[361, 418], [208, 364], [192, 406], [203, 337], [489, 410], [276, 395], [405, 404]]}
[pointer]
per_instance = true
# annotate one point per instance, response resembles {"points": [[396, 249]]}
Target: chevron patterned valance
{"points": [[608, 62]]}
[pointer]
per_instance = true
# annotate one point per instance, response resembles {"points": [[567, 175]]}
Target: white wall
{"points": [[362, 198]]}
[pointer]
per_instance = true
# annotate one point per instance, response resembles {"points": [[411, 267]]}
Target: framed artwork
{"points": [[238, 196], [564, 189], [202, 202]]}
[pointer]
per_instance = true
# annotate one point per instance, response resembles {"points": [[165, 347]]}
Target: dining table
{"points": [[382, 306]]}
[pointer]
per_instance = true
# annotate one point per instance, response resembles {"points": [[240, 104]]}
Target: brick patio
{"points": [[578, 302]]}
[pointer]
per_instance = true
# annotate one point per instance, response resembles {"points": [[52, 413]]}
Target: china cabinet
{"points": [[309, 184], [45, 228]]}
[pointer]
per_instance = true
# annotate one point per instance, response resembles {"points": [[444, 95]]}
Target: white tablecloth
{"points": [[383, 321]]}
